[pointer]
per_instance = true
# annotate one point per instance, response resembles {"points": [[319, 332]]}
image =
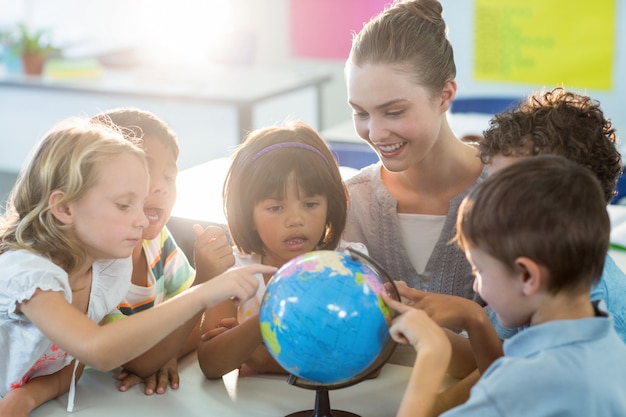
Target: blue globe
{"points": [[323, 319]]}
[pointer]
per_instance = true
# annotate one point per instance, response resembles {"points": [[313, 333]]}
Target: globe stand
{"points": [[322, 401], [322, 407]]}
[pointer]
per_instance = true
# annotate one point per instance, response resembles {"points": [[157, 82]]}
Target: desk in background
{"points": [[232, 396], [210, 109], [349, 149]]}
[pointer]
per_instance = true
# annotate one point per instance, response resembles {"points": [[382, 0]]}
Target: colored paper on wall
{"points": [[553, 42], [324, 28]]}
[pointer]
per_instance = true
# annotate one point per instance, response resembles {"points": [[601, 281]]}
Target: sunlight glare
{"points": [[184, 31]]}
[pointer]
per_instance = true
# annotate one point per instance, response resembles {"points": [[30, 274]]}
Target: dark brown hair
{"points": [[546, 208], [255, 176], [561, 123]]}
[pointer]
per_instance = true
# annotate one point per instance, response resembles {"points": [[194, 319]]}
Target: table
{"points": [[210, 108], [617, 215], [236, 86], [232, 396]]}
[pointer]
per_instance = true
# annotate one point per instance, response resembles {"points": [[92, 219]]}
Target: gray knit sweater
{"points": [[372, 219]]}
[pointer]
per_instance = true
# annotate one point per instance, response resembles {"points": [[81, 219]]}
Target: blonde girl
{"points": [[72, 221]]}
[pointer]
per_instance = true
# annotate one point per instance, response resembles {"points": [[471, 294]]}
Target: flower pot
{"points": [[33, 63]]}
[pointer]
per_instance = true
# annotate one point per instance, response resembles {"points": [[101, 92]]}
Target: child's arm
{"points": [[457, 393], [20, 402], [463, 361], [159, 372], [191, 344], [158, 367], [261, 361], [154, 359], [228, 345], [433, 349], [459, 313], [166, 375], [107, 347], [226, 351]]}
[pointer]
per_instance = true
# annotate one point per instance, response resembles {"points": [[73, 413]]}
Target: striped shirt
{"points": [[169, 274]]}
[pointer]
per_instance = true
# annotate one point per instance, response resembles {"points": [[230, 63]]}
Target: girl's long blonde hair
{"points": [[67, 159]]}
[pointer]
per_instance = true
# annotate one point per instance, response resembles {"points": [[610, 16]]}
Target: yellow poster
{"points": [[545, 42]]}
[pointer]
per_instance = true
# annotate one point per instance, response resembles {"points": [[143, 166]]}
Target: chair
{"points": [[349, 150], [469, 116], [354, 155], [486, 105]]}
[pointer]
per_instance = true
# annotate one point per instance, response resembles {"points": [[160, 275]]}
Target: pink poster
{"points": [[323, 28]]}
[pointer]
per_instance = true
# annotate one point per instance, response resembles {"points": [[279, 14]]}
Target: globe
{"points": [[324, 321]]}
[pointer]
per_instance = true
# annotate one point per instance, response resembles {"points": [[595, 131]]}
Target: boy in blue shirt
{"points": [[536, 256], [557, 122], [560, 122]]}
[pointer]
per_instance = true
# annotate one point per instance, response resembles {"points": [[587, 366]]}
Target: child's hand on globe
{"points": [[414, 327]]}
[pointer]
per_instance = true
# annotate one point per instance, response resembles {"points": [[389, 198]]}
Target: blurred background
{"points": [[214, 69]]}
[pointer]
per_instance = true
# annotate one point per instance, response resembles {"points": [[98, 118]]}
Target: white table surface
{"points": [[617, 214], [233, 395]]}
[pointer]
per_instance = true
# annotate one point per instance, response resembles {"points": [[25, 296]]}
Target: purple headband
{"points": [[290, 145]]}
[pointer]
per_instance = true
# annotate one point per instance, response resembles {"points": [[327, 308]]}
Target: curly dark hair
{"points": [[557, 122]]}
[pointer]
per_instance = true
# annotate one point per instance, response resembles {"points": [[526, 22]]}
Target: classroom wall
{"points": [[268, 22], [459, 16], [268, 19]]}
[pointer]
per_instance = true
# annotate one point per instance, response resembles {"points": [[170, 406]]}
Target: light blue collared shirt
{"points": [[563, 367]]}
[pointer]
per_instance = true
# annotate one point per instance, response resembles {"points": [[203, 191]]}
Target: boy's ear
{"points": [[61, 212], [447, 95], [532, 275]]}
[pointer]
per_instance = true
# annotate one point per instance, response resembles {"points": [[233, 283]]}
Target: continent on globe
{"points": [[323, 318]]}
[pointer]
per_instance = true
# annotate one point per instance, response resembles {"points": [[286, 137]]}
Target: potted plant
{"points": [[34, 48]]}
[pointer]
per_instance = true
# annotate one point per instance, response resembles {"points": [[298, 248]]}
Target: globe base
{"points": [[331, 413], [322, 407]]}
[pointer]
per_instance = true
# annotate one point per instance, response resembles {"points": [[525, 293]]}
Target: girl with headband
{"points": [[283, 197]]}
